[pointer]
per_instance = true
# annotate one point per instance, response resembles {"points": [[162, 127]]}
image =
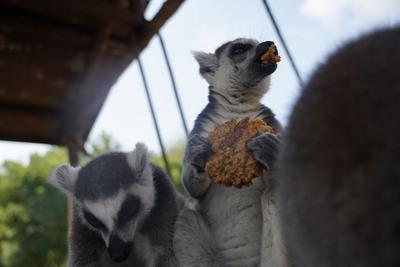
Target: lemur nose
{"points": [[118, 249]]}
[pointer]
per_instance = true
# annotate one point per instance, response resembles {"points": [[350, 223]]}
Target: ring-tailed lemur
{"points": [[339, 175], [124, 211], [226, 228]]}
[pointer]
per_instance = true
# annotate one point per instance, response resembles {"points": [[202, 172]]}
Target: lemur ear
{"points": [[64, 178], [208, 65], [138, 160]]}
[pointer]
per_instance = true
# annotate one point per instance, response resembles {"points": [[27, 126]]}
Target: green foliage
{"points": [[175, 156], [33, 223], [32, 213], [102, 144]]}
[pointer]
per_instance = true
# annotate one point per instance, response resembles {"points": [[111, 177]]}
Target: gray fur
{"points": [[339, 173], [196, 245], [226, 227], [135, 207]]}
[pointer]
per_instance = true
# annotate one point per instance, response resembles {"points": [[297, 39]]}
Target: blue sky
{"points": [[312, 29]]}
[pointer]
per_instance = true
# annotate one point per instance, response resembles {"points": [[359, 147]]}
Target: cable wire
{"points": [[278, 31], [174, 87], [153, 115]]}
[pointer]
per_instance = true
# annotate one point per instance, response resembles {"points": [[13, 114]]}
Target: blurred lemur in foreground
{"points": [[230, 226], [338, 181], [124, 211]]}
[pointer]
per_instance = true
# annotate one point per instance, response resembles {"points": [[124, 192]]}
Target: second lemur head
{"points": [[235, 70], [113, 194]]}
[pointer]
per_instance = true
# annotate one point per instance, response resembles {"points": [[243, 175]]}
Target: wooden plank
{"points": [[29, 125], [108, 69], [66, 34], [90, 96], [117, 40], [73, 14], [75, 11]]}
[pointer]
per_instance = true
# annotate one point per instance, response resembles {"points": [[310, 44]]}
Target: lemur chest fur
{"points": [[235, 219], [234, 215]]}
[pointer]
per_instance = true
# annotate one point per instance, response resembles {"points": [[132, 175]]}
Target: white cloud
{"points": [[352, 12]]}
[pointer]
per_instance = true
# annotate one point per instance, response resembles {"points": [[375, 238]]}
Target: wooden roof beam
{"points": [[93, 95], [147, 30], [89, 97], [73, 10], [25, 124]]}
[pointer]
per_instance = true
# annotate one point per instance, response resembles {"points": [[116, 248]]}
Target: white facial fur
{"points": [[138, 160], [230, 78], [209, 61], [64, 178], [106, 210]]}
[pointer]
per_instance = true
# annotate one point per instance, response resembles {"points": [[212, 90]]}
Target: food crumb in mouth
{"points": [[269, 55]]}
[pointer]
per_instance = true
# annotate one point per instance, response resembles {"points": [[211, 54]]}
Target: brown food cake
{"points": [[232, 164]]}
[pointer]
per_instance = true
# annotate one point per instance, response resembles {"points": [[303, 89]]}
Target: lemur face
{"points": [[236, 68], [113, 194]]}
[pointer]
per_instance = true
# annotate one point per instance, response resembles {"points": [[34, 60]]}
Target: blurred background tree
{"points": [[32, 213], [33, 225], [175, 157]]}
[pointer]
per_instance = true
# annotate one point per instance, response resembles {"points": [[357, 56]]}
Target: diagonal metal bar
{"points": [[174, 87], [278, 31], [153, 115]]}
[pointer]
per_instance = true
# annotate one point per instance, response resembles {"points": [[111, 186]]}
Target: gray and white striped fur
{"points": [[230, 226], [124, 211]]}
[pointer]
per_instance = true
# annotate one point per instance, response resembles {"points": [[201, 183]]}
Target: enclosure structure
{"points": [[59, 59]]}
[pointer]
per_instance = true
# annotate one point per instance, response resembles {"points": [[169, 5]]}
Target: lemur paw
{"points": [[199, 151], [265, 147]]}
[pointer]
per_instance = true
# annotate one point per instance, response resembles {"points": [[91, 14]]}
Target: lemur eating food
{"points": [[229, 226], [124, 211]]}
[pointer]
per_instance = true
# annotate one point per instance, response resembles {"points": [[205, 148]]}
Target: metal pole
{"points": [[278, 31], [171, 75], [153, 115]]}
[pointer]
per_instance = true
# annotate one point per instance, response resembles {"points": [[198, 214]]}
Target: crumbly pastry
{"points": [[270, 55], [232, 164]]}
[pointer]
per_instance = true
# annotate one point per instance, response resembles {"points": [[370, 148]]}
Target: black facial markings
{"points": [[118, 249], [128, 210], [108, 172], [240, 48], [93, 221]]}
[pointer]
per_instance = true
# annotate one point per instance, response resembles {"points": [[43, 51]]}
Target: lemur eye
{"points": [[93, 221], [129, 209], [239, 49]]}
